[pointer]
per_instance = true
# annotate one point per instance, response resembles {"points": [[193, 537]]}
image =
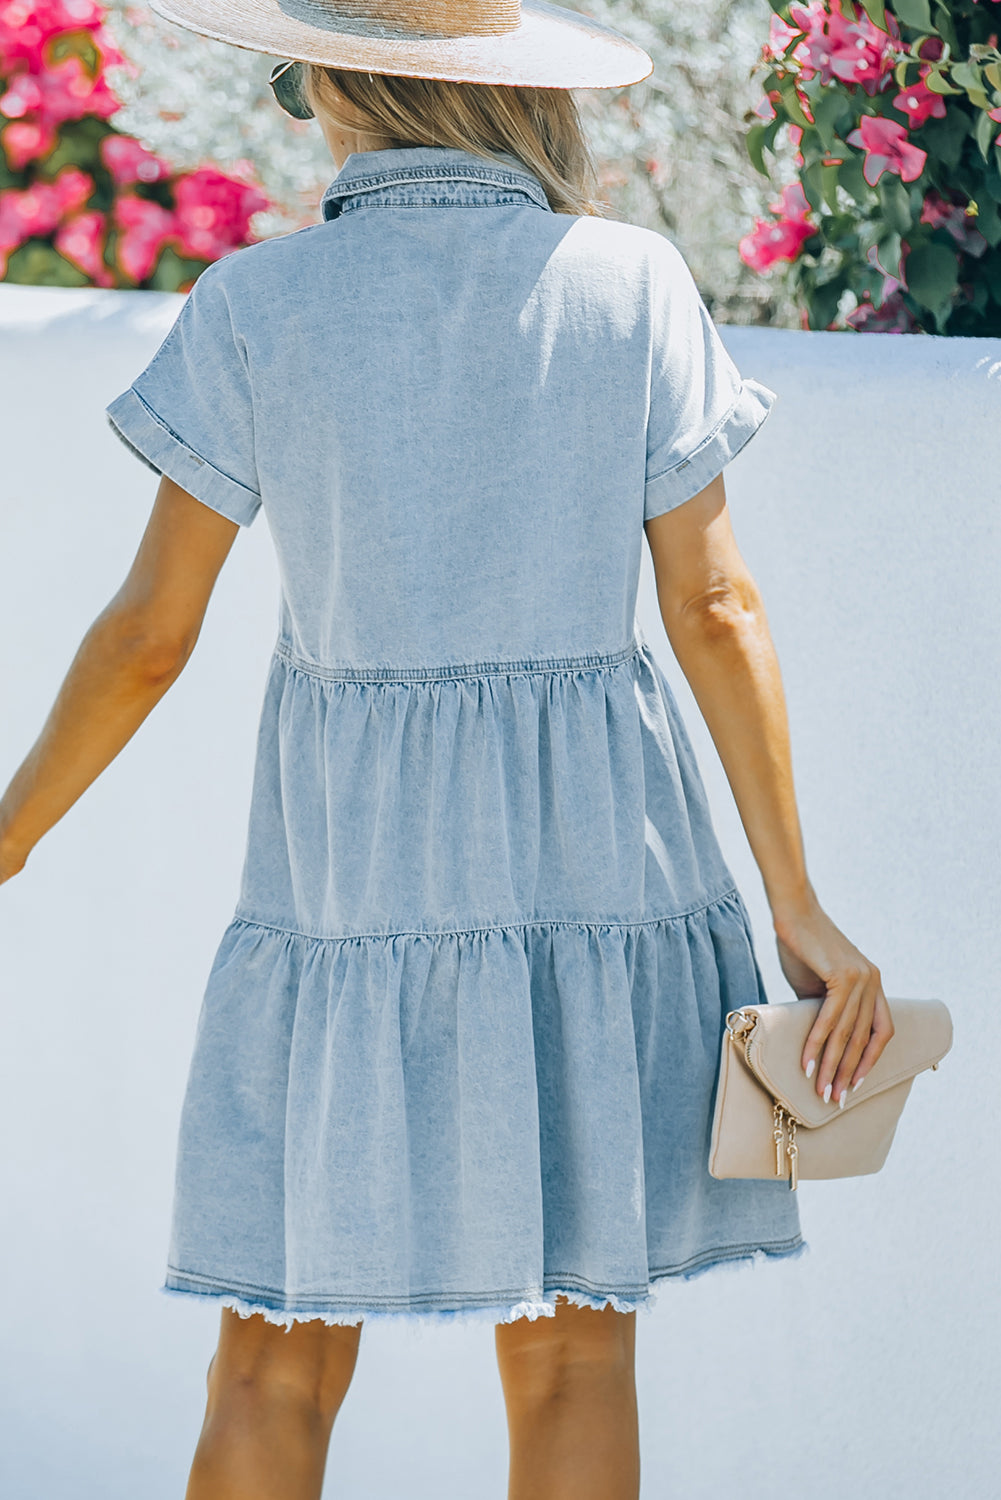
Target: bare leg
{"points": [[570, 1391], [272, 1399]]}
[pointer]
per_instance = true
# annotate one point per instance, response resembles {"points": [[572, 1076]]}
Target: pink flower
{"points": [[69, 92], [935, 210], [145, 228], [951, 215], [129, 161], [919, 103], [24, 93], [887, 149], [765, 109], [860, 51], [792, 203], [37, 210], [780, 34], [64, 92], [81, 240], [893, 316], [995, 114], [72, 189], [850, 48], [27, 25], [27, 140], [768, 243], [213, 212]]}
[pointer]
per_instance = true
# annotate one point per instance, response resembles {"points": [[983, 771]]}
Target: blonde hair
{"points": [[541, 127]]}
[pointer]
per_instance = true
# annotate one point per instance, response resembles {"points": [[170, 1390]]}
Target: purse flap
{"points": [[922, 1035]]}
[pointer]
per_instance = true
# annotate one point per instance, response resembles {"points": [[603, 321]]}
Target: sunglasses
{"points": [[286, 82]]}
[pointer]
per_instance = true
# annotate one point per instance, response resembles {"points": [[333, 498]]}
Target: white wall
{"points": [[868, 510]]}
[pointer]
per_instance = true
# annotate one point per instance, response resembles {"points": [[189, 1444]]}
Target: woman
{"points": [[457, 1051]]}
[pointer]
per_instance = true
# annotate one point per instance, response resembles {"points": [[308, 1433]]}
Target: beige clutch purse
{"points": [[769, 1120]]}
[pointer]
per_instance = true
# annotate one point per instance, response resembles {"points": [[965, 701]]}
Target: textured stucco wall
{"points": [[868, 510]]}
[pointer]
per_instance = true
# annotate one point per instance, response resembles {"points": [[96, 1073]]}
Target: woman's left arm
{"points": [[132, 653]]}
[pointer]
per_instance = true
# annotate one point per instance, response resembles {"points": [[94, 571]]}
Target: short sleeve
{"points": [[702, 411], [189, 414]]}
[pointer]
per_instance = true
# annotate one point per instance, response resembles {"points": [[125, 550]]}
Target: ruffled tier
{"points": [[465, 1123], [470, 796]]}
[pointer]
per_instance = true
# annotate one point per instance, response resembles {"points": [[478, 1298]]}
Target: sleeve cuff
{"points": [[682, 481], [161, 450]]}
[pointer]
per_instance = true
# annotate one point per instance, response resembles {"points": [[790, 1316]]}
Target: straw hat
{"points": [[528, 42]]}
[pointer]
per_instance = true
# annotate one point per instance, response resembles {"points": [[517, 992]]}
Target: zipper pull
{"points": [[777, 1113], [792, 1151]]}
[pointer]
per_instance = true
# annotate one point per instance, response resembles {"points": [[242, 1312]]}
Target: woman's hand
{"points": [[854, 1024]]}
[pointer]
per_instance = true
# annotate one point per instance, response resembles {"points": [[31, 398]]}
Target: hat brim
{"points": [[553, 47]]}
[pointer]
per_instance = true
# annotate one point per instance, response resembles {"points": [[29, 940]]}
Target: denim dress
{"points": [[458, 1046]]}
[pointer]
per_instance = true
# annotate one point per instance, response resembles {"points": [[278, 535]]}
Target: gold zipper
{"points": [[782, 1120]]}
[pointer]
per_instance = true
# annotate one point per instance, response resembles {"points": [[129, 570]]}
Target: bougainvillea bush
{"points": [[894, 221], [83, 203]]}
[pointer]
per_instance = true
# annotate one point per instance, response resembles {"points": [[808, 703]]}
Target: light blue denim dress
{"points": [[457, 1051]]}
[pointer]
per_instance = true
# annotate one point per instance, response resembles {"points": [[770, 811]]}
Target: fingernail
{"points": [[827, 1093], [810, 1067], [856, 1085], [842, 1097]]}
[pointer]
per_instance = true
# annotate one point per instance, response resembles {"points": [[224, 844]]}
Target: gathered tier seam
{"points": [[438, 932], [546, 665]]}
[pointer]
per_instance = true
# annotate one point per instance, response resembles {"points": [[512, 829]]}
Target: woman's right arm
{"points": [[715, 621]]}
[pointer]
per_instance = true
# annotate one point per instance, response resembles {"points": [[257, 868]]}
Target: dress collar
{"points": [[428, 175]]}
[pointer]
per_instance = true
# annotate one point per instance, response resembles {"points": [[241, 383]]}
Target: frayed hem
{"points": [[756, 1256], [531, 1308], [544, 1306]]}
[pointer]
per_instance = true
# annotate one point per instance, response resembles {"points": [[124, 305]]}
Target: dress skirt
{"points": [[458, 1047]]}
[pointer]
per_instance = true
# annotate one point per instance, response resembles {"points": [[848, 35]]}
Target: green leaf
{"points": [[829, 187], [754, 141], [944, 138], [813, 186], [76, 44], [36, 263], [826, 113], [966, 76], [945, 28], [993, 71], [851, 179], [791, 103], [823, 305], [984, 132], [939, 84], [889, 251], [895, 202], [173, 270], [876, 11], [932, 277], [988, 221], [915, 13], [991, 271]]}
